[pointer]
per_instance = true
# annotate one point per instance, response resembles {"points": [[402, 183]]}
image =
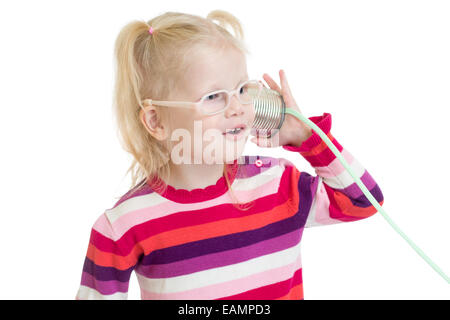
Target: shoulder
{"points": [[132, 207], [139, 190]]}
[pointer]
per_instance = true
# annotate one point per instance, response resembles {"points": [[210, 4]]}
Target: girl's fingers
{"points": [[284, 83], [272, 84], [285, 90], [287, 94]]}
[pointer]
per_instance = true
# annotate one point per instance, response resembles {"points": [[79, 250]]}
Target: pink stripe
{"points": [[220, 259], [270, 292], [103, 226], [229, 288], [185, 219], [335, 168], [322, 207], [136, 217]]}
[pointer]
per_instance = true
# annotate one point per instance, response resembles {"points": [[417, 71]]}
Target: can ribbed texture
{"points": [[269, 112]]}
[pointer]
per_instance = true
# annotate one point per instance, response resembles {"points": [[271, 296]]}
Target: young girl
{"points": [[222, 225]]}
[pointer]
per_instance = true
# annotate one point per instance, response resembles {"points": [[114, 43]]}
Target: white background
{"points": [[381, 68]]}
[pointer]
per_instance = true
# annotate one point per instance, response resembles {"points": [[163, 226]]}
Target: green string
{"points": [[369, 196]]}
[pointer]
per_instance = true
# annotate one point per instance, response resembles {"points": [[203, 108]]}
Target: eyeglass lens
{"points": [[219, 100]]}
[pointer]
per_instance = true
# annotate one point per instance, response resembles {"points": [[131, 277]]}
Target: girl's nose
{"points": [[235, 106]]}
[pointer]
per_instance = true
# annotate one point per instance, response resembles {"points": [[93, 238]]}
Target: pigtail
{"points": [[226, 19], [133, 58]]}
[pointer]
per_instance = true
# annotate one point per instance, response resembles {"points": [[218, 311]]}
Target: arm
{"points": [[332, 196], [107, 266]]}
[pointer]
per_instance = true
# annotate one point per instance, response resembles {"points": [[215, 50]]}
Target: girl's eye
{"points": [[211, 97]]}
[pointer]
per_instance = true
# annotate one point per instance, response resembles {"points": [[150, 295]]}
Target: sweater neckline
{"points": [[199, 194]]}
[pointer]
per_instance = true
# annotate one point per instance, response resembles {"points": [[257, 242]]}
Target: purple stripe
{"points": [[106, 273], [240, 239], [305, 195], [223, 243], [314, 185], [357, 196], [249, 168], [363, 202], [353, 191], [216, 260], [104, 287]]}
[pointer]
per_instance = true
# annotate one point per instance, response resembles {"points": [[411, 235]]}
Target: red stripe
{"points": [[342, 208], [185, 219], [325, 157], [269, 292]]}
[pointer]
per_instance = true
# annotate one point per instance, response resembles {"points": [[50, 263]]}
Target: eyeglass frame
{"points": [[196, 105]]}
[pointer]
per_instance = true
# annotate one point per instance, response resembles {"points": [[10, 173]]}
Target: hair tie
{"points": [[150, 30]]}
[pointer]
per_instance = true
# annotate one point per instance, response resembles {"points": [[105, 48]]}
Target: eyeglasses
{"points": [[217, 101]]}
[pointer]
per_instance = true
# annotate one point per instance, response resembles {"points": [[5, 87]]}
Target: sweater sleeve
{"points": [[332, 196], [107, 266]]}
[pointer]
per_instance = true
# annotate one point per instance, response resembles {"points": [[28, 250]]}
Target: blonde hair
{"points": [[150, 66]]}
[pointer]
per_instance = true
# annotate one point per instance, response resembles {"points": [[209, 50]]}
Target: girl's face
{"points": [[210, 70]]}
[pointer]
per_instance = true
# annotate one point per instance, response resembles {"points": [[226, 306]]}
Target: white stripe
{"points": [[259, 179], [222, 274], [313, 220], [342, 180], [155, 199], [133, 204], [86, 293]]}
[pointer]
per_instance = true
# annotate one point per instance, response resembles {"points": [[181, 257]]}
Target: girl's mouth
{"points": [[236, 133]]}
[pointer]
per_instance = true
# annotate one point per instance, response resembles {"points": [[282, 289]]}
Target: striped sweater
{"points": [[195, 244]]}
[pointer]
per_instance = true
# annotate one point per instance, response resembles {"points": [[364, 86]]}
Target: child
{"points": [[229, 228]]}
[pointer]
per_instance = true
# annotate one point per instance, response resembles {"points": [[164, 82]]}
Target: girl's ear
{"points": [[151, 122]]}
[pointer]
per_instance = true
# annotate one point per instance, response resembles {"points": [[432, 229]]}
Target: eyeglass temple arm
{"points": [[178, 104]]}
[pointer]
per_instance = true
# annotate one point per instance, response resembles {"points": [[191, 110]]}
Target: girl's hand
{"points": [[293, 131]]}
